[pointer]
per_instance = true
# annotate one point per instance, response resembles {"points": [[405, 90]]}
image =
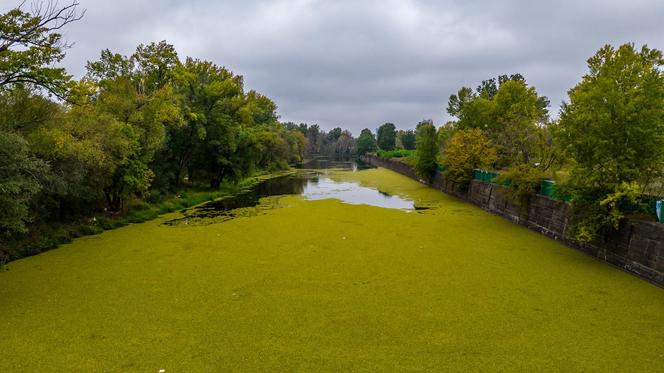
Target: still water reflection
{"points": [[353, 193], [311, 184]]}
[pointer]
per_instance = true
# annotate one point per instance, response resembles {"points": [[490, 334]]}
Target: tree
{"points": [[23, 111], [297, 144], [30, 45], [444, 133], [613, 128], [407, 139], [334, 134], [471, 110], [386, 136], [426, 159], [465, 151], [457, 102], [137, 93], [508, 111], [84, 149], [345, 145], [155, 63], [311, 133], [366, 143], [518, 116], [136, 125], [21, 177], [546, 157]]}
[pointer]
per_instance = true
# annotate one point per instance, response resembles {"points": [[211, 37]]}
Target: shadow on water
{"points": [[310, 182]]}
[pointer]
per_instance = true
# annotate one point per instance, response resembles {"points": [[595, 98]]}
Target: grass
{"points": [[401, 155], [321, 285], [397, 153]]}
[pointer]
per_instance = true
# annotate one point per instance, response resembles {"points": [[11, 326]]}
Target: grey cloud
{"points": [[360, 63]]}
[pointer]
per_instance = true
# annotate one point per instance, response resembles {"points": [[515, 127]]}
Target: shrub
{"points": [[398, 153], [465, 151], [426, 157]]}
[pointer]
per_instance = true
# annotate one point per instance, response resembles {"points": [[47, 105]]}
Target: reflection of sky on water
{"points": [[353, 193]]}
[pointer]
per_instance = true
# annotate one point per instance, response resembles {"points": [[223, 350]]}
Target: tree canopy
{"points": [[426, 160], [406, 139], [30, 44], [613, 128], [366, 143], [386, 136]]}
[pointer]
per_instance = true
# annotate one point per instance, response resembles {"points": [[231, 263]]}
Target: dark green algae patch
{"points": [[323, 285]]}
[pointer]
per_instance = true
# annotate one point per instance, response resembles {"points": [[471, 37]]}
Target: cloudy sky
{"points": [[358, 64]]}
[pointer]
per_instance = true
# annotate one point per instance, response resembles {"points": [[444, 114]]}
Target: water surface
{"points": [[315, 183]]}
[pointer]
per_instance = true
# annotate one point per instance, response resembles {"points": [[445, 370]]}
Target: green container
{"points": [[548, 188], [484, 176], [490, 176]]}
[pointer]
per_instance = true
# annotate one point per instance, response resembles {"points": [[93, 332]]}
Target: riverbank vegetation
{"points": [[136, 136], [605, 150]]}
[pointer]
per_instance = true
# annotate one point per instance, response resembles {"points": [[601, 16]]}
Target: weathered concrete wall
{"points": [[638, 246], [540, 213]]}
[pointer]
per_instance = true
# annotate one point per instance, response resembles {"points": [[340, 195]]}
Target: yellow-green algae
{"points": [[322, 285]]}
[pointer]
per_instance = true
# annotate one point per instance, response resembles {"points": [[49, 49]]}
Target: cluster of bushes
{"points": [[397, 153], [116, 146]]}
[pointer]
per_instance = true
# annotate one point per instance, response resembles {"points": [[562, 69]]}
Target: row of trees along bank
{"points": [[605, 150], [136, 136]]}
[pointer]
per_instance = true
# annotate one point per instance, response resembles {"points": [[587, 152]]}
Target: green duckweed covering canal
{"points": [[295, 282]]}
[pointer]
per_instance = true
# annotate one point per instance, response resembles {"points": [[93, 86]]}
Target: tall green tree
{"points": [[445, 132], [407, 139], [518, 116], [613, 128], [426, 159], [366, 142], [133, 92], [30, 47], [334, 134], [386, 136], [21, 178], [489, 106], [84, 148]]}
